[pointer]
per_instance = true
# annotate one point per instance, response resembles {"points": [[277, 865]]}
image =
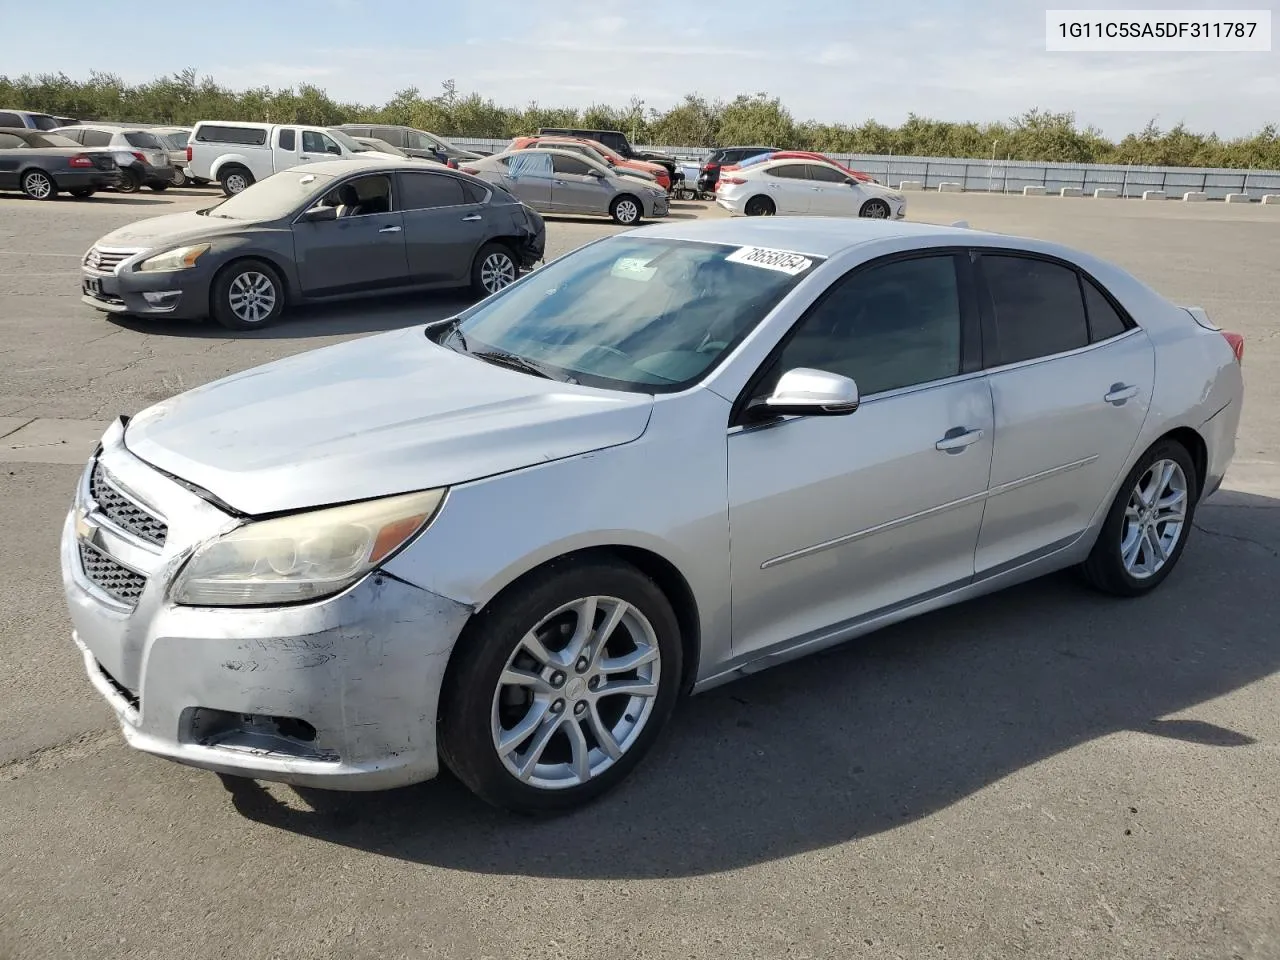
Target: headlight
{"points": [[304, 556], [179, 259]]}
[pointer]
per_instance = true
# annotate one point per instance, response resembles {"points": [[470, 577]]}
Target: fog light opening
{"points": [[162, 299], [258, 733]]}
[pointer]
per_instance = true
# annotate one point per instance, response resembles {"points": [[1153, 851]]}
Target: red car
{"points": [[807, 155]]}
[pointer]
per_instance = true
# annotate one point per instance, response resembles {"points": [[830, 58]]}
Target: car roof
{"points": [[340, 168], [817, 236]]}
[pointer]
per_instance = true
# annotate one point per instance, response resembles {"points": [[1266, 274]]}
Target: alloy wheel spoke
{"points": [[513, 738], [602, 733], [514, 677], [535, 648], [1155, 546], [636, 687], [1130, 546], [630, 661], [579, 750], [582, 632], [538, 745], [600, 640]]}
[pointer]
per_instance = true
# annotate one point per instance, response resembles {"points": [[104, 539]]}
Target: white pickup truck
{"points": [[238, 155]]}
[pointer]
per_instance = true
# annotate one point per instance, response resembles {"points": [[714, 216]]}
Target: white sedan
{"points": [[805, 188]]}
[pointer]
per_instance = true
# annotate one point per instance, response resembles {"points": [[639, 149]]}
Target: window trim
{"points": [[990, 332], [970, 331]]}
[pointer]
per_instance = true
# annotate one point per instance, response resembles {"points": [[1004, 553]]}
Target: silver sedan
{"points": [[510, 541]]}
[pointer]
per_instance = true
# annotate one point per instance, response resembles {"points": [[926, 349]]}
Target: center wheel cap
{"points": [[575, 688]]}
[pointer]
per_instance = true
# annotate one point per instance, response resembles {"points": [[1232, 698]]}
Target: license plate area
{"points": [[93, 286]]}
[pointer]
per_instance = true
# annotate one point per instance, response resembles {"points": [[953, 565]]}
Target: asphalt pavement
{"points": [[1042, 773]]}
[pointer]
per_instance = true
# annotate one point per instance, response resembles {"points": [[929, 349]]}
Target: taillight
{"points": [[738, 181], [188, 153], [471, 170], [1237, 344], [452, 163], [80, 160], [139, 157]]}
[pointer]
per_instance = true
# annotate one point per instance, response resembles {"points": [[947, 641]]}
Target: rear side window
{"points": [[72, 134], [1105, 321], [1038, 308], [288, 139], [224, 133], [425, 191], [143, 141], [11, 120], [9, 142], [97, 138], [788, 171], [472, 192]]}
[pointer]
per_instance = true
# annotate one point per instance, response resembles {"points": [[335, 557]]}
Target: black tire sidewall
{"points": [[129, 182], [81, 193], [760, 204], [1105, 567], [477, 266], [465, 735], [220, 306], [227, 174]]}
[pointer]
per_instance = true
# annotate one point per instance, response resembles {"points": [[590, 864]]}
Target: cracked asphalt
{"points": [[1041, 773]]}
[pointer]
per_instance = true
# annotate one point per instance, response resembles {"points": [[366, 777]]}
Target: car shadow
{"points": [[372, 315], [879, 733]]}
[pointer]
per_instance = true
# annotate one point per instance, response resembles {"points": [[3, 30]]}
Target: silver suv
{"points": [[142, 156]]}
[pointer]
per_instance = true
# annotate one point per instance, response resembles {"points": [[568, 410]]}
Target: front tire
{"points": [[38, 185], [561, 686], [247, 295], [82, 193], [159, 187], [493, 268], [760, 207], [875, 209], [1148, 523], [626, 210]]}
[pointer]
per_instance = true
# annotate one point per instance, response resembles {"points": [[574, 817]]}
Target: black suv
{"points": [[709, 172], [616, 140]]}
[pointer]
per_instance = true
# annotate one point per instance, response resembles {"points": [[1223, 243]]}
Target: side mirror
{"points": [[319, 214], [334, 149], [805, 392]]}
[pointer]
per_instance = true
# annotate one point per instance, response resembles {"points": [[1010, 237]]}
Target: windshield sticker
{"points": [[781, 260], [632, 268]]}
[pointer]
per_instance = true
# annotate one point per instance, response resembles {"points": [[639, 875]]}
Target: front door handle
{"points": [[303, 156], [474, 216], [558, 183], [957, 439], [1120, 393], [389, 230]]}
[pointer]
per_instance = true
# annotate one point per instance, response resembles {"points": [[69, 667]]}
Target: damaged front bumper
{"points": [[338, 694]]}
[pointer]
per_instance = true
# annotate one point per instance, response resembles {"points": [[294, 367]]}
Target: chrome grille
{"points": [[114, 579], [105, 261], [123, 512]]}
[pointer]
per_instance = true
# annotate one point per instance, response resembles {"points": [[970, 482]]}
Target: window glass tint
{"points": [[11, 120], [1038, 307], [1104, 321], [315, 142], [50, 140], [43, 121], [144, 141], [569, 165], [219, 133], [422, 191], [825, 174], [9, 142], [472, 192], [288, 139], [890, 326], [789, 171], [97, 138]]}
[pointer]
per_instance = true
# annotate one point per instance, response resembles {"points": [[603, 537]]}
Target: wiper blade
{"points": [[513, 362]]}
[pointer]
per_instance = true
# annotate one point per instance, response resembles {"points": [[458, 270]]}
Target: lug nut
{"points": [[557, 707], [557, 678], [579, 708], [582, 664], [594, 683]]}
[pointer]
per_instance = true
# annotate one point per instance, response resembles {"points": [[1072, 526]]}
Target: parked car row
{"points": [[40, 164]]}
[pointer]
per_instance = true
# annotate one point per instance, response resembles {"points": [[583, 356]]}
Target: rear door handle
{"points": [[389, 230], [957, 439], [1120, 393], [474, 216]]}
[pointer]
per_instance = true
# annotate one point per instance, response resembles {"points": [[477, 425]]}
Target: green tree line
{"points": [[757, 118]]}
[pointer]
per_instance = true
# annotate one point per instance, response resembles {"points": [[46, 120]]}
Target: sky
{"points": [[980, 60]]}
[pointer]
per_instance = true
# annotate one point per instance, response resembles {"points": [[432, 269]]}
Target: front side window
{"points": [[315, 142], [570, 165], [1038, 307], [635, 314], [361, 196], [825, 174], [887, 326]]}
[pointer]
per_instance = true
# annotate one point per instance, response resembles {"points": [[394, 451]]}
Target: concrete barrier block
{"points": [[1194, 196], [1033, 191], [1239, 198], [1071, 192], [911, 185], [1105, 193], [1153, 195], [950, 186], [1271, 198]]}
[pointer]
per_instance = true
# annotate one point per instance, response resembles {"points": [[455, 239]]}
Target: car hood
{"points": [[172, 229], [373, 417]]}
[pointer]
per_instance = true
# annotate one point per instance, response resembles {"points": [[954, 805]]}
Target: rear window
{"points": [[144, 141], [11, 120], [219, 133], [43, 121]]}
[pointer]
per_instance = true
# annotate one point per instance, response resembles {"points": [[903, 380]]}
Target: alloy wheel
{"points": [[876, 210], [627, 211], [497, 271], [37, 185], [576, 693], [1154, 519], [252, 296]]}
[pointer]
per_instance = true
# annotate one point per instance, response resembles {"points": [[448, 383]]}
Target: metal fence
{"points": [[1010, 176]]}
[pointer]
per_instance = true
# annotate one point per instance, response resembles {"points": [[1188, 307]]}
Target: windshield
{"points": [[144, 141], [346, 141], [273, 198], [637, 314]]}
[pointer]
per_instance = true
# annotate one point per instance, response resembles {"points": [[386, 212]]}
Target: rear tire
{"points": [[1147, 525], [760, 206], [235, 179], [82, 193], [247, 295], [626, 210], [159, 187], [129, 182], [179, 179], [39, 185], [494, 267]]}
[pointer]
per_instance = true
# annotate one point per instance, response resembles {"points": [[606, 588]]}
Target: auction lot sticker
{"points": [[784, 261]]}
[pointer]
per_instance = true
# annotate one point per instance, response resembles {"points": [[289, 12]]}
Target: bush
{"points": [[749, 119]]}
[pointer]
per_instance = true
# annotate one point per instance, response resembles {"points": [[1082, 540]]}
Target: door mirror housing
{"points": [[805, 392], [320, 214]]}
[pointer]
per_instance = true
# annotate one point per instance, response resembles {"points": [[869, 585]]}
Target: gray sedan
{"points": [[41, 164], [510, 541], [322, 231], [560, 181]]}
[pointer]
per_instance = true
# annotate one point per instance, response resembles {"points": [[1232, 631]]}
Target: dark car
{"points": [[28, 120], [416, 143], [143, 157], [326, 230], [617, 140], [41, 164], [709, 172]]}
